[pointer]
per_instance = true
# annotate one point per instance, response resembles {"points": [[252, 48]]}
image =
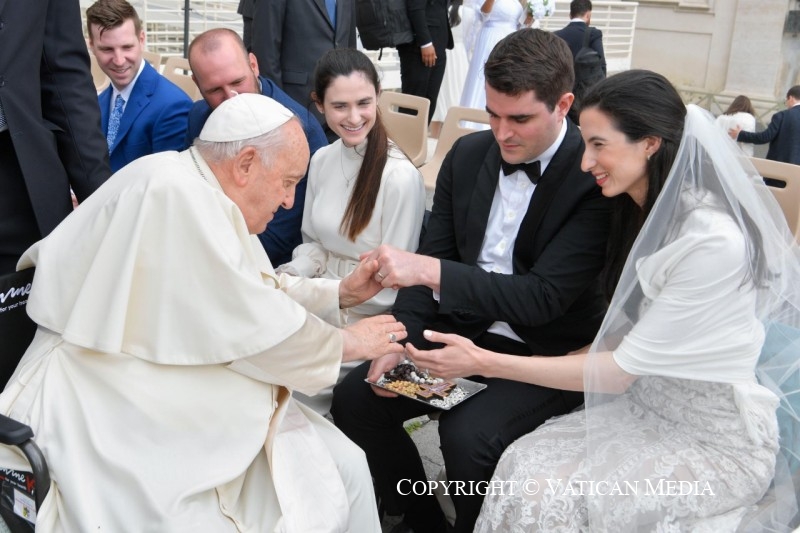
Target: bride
{"points": [[678, 433]]}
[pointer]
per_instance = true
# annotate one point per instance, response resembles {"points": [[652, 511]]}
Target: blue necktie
{"points": [[331, 7], [113, 120]]}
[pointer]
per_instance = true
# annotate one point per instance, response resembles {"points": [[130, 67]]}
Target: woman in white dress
{"points": [[500, 17], [362, 190], [740, 114], [677, 434]]}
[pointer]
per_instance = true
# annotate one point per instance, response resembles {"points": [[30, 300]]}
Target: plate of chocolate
{"points": [[407, 380]]}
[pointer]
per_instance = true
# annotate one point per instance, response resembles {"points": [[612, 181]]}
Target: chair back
{"points": [[783, 179], [16, 327], [101, 81], [456, 124], [177, 70], [154, 58], [408, 131]]}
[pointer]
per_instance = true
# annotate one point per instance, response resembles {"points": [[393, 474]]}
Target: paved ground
{"points": [[425, 433]]}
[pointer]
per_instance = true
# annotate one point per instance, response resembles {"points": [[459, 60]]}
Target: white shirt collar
{"points": [[126, 92]]}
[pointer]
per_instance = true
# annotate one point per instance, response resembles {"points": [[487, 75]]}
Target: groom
{"points": [[510, 259]]}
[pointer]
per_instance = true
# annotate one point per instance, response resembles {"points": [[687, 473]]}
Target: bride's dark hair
{"points": [[640, 104]]}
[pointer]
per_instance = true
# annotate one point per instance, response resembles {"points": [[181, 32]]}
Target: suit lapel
{"points": [[2, 5], [324, 10], [550, 182], [140, 97], [104, 101], [481, 203]]}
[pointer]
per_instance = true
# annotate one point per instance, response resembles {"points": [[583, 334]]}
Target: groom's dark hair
{"points": [[531, 60]]}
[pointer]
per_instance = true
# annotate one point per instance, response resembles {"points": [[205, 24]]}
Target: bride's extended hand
{"points": [[457, 359]]}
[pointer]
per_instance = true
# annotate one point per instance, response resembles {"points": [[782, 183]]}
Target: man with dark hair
{"points": [[222, 68], [782, 134], [141, 112], [50, 136], [580, 14], [510, 259]]}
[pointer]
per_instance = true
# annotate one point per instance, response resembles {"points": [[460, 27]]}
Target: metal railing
{"points": [[164, 21], [718, 103]]}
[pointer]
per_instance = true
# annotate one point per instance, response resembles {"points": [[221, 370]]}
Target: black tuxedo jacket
{"points": [[553, 299], [50, 104], [573, 33], [782, 134], [430, 24]]}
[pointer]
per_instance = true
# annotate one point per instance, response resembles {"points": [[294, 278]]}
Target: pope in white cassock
{"points": [[158, 383]]}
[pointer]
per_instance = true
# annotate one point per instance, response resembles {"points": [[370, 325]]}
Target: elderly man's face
{"points": [[224, 73], [273, 186]]}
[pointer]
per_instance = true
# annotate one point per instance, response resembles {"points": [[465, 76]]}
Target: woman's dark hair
{"points": [[640, 104], [344, 62], [740, 104], [453, 16]]}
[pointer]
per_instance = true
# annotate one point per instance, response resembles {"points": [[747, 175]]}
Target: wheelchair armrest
{"points": [[13, 433]]}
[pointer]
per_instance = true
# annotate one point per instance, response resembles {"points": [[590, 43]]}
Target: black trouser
{"points": [[473, 436], [18, 227], [416, 78]]}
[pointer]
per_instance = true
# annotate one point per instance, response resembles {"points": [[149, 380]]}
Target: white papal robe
{"points": [[158, 381]]}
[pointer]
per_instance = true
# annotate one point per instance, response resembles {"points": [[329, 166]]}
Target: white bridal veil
{"points": [[713, 368]]}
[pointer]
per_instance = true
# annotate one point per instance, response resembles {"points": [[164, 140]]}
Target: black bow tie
{"points": [[531, 169]]}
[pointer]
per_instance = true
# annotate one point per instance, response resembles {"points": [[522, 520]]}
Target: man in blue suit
{"points": [[782, 134], [222, 68], [141, 112]]}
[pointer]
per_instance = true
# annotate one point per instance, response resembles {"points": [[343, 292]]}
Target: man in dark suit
{"points": [[141, 111], [782, 134], [246, 9], [510, 260], [50, 137], [580, 14], [290, 35], [423, 60], [222, 68]]}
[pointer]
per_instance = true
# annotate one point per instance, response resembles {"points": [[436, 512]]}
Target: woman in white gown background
{"points": [[677, 434], [739, 115], [363, 191], [499, 18]]}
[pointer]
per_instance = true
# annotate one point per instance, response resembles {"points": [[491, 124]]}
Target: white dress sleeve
{"points": [[697, 310], [401, 209]]}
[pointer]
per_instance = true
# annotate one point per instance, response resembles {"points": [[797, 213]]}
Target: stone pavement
{"points": [[425, 433]]}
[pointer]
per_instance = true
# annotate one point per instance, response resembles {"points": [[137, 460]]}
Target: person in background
{"points": [[362, 190], [500, 18], [740, 114], [223, 68], [289, 36], [782, 134], [423, 60], [246, 9], [580, 14], [141, 112], [50, 137]]}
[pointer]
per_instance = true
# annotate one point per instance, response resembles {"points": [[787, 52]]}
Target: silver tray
{"points": [[468, 387]]}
